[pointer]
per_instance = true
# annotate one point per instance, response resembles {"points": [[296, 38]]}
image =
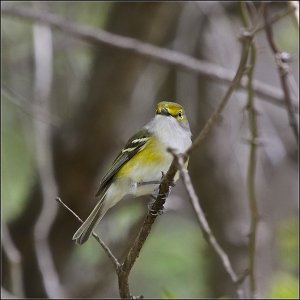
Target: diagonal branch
{"points": [[282, 59], [98, 36]]}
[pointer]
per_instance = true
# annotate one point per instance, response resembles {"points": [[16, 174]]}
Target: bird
{"points": [[138, 168]]}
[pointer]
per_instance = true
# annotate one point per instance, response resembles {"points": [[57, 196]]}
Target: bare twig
{"points": [[15, 261], [207, 233], [99, 36], [281, 59], [97, 238], [276, 17], [42, 38], [252, 158], [251, 177]]}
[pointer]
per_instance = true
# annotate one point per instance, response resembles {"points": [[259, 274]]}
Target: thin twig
{"points": [[98, 36], [252, 159], [207, 233], [281, 59], [276, 18], [251, 177], [97, 238]]}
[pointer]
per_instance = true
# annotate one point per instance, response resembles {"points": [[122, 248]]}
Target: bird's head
{"points": [[172, 109]]}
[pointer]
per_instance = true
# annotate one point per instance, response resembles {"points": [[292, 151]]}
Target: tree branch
{"points": [[251, 177], [252, 116], [282, 59], [96, 36]]}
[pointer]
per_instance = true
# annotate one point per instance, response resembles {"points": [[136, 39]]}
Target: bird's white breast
{"points": [[170, 133]]}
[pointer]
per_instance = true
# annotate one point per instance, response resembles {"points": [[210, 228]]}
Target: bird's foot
{"points": [[154, 212]]}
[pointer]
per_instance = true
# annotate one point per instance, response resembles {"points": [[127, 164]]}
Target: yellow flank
{"points": [[153, 154]]}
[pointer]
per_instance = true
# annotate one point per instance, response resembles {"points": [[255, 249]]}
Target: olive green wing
{"points": [[134, 145]]}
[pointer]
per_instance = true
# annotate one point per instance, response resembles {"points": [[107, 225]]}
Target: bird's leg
{"points": [[148, 182]]}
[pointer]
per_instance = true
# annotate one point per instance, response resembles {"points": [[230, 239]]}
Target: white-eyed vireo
{"points": [[138, 168]]}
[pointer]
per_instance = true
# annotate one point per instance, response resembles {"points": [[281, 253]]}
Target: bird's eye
{"points": [[180, 114]]}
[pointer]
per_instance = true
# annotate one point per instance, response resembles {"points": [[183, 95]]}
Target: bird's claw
{"points": [[154, 212]]}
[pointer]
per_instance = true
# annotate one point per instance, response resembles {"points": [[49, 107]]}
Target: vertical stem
{"points": [[123, 284], [251, 174], [252, 117]]}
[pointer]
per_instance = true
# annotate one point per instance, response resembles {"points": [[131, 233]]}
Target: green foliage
{"points": [[284, 286], [284, 283]]}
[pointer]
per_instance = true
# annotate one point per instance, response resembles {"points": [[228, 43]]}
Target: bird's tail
{"points": [[87, 227]]}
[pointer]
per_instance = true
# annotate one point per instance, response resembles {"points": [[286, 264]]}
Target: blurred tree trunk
{"points": [[81, 146]]}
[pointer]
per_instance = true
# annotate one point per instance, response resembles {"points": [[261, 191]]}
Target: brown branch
{"points": [[252, 116], [96, 237], [207, 233], [99, 36], [251, 178], [276, 17], [281, 59]]}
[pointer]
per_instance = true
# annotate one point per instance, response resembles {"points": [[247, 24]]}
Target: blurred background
{"points": [[68, 107]]}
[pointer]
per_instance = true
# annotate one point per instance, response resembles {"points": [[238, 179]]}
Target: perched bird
{"points": [[138, 168]]}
